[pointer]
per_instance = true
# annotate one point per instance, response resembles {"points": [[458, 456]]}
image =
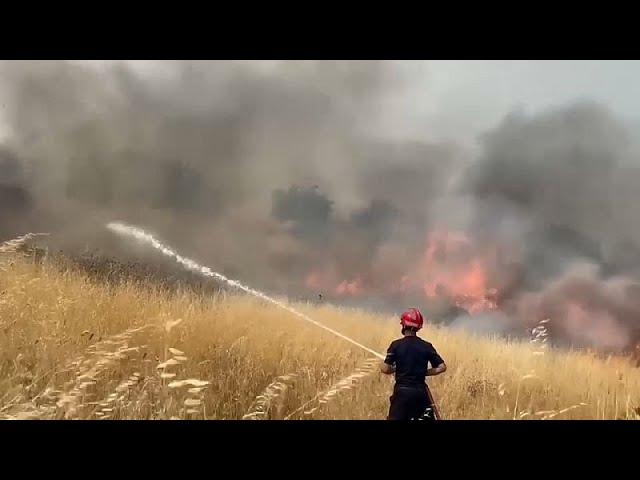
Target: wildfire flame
{"points": [[327, 281], [351, 288], [453, 270], [449, 267]]}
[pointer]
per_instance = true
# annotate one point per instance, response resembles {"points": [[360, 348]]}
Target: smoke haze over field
{"points": [[199, 152], [289, 176]]}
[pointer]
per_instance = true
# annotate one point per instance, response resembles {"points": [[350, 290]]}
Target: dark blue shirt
{"points": [[411, 356]]}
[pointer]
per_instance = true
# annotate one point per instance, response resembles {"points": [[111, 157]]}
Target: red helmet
{"points": [[412, 318]]}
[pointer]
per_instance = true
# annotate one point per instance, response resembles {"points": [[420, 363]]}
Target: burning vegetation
{"points": [[448, 269]]}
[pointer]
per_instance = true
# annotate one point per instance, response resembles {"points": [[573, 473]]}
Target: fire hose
{"points": [[189, 264]]}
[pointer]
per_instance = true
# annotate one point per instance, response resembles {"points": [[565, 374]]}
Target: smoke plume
{"points": [[278, 174], [204, 153], [558, 188]]}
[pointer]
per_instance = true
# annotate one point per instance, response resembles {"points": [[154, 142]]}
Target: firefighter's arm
{"points": [[387, 369], [437, 364], [432, 372], [388, 366]]}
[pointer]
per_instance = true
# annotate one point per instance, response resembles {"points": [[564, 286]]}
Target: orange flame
{"points": [[350, 288], [450, 267], [326, 281]]}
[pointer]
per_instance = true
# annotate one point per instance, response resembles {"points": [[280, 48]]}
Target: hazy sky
{"points": [[458, 99], [461, 98]]}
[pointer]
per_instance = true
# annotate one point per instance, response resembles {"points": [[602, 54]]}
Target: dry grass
{"points": [[73, 348]]}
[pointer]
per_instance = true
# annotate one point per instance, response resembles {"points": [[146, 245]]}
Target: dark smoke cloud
{"points": [[16, 202], [556, 187], [197, 152], [307, 210], [268, 174], [559, 167], [350, 244], [219, 133]]}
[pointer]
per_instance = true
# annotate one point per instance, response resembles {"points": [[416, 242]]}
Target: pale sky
{"points": [[462, 98]]}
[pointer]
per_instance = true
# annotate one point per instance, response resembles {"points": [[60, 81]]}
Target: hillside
{"points": [[73, 347]]}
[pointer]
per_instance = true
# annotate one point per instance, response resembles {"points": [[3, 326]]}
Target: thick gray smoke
{"points": [[15, 198], [280, 177], [200, 154], [559, 188]]}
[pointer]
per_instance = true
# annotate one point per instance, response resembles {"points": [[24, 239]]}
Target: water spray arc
{"points": [[139, 234]]}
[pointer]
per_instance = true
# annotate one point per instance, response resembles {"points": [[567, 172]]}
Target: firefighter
{"points": [[409, 358]]}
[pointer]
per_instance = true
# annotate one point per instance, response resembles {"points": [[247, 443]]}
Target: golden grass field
{"points": [[73, 348]]}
